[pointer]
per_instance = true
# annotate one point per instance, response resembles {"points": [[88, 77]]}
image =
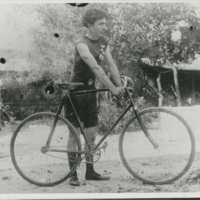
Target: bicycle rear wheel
{"points": [[175, 152], [32, 163]]}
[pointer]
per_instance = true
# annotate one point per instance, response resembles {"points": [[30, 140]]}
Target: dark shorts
{"points": [[86, 108]]}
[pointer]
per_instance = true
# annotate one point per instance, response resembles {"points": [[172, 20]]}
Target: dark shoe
{"points": [[96, 177], [74, 181]]}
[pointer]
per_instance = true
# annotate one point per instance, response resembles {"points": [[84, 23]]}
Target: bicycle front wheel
{"points": [[33, 163], [175, 152]]}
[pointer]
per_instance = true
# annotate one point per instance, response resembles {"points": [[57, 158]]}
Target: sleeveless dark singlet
{"points": [[81, 72]]}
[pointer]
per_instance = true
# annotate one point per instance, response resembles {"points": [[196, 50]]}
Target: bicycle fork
{"points": [[45, 148], [142, 125]]}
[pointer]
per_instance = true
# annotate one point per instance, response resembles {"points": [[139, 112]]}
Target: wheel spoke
{"points": [[36, 166], [175, 151]]}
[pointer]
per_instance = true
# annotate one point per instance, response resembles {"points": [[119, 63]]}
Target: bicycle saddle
{"points": [[69, 85]]}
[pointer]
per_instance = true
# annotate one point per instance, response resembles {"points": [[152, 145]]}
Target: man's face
{"points": [[99, 27]]}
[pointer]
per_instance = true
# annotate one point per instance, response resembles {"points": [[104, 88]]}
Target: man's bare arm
{"points": [[112, 66], [89, 59]]}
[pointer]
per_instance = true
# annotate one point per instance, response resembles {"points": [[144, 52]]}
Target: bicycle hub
{"points": [[44, 149]]}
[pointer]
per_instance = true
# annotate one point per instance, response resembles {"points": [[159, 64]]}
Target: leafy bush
{"points": [[109, 112]]}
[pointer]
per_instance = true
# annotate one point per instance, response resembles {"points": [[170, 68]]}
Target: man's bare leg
{"points": [[91, 134], [72, 146]]}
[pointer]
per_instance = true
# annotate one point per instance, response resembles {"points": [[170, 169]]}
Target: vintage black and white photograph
{"points": [[100, 98]]}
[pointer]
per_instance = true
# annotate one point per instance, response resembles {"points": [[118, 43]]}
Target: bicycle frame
{"points": [[131, 105], [117, 121]]}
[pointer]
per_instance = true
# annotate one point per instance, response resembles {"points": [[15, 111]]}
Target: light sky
{"points": [[15, 24], [16, 20]]}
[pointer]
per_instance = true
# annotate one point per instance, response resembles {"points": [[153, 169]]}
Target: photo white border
{"points": [[58, 196], [95, 1]]}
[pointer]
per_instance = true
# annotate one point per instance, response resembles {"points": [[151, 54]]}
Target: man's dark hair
{"points": [[92, 15]]}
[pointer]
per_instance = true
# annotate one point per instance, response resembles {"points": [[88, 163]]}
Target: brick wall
{"points": [[25, 100]]}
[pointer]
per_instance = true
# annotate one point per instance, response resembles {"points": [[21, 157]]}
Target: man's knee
{"points": [[72, 142], [91, 133]]}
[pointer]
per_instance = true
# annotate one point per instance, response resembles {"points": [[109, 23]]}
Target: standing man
{"points": [[89, 50]]}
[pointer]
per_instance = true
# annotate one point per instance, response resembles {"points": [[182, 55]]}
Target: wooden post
{"points": [[178, 97], [1, 113], [193, 89], [160, 100]]}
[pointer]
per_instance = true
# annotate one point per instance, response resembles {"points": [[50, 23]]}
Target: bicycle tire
{"points": [[43, 169], [174, 155]]}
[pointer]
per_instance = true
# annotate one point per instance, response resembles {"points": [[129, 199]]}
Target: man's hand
{"points": [[118, 92]]}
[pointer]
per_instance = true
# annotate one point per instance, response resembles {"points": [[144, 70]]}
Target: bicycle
{"points": [[6, 116], [156, 145]]}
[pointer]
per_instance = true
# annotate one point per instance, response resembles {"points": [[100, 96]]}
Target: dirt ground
{"points": [[110, 164]]}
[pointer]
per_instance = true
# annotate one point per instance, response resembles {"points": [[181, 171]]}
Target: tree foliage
{"points": [[136, 30], [166, 33], [52, 52], [146, 31]]}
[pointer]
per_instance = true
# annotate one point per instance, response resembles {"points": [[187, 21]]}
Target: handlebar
{"points": [[127, 83], [125, 80]]}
